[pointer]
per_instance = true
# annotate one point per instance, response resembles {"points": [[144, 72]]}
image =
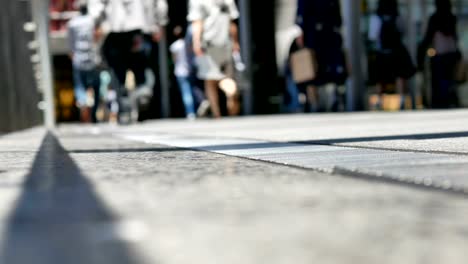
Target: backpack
{"points": [[390, 36]]}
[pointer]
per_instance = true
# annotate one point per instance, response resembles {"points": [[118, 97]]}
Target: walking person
{"points": [[321, 24], [125, 23], [441, 43], [81, 35], [201, 102], [182, 72], [215, 38], [393, 62]]}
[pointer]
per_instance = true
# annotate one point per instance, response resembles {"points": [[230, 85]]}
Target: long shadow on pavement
{"points": [[58, 219]]}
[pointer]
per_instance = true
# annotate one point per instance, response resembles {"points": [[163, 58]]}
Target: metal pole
{"points": [[246, 49], [40, 13], [164, 78], [355, 91], [426, 83], [412, 45]]}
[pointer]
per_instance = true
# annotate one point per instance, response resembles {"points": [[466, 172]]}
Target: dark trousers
{"points": [[444, 93], [125, 51], [152, 60]]}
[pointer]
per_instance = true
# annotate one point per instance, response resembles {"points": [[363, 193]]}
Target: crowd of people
{"points": [[122, 36], [391, 65], [114, 47]]}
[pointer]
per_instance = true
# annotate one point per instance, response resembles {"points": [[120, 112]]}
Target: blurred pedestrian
{"points": [[81, 33], [203, 105], [215, 38], [321, 24], [393, 63], [182, 71], [441, 44], [125, 49]]}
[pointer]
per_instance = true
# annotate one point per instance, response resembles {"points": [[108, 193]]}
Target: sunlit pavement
{"points": [[332, 188]]}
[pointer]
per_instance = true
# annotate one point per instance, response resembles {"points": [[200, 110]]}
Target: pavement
{"points": [[329, 188]]}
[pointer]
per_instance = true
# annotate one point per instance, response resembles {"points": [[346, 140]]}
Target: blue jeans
{"points": [[84, 79], [293, 105], [186, 93]]}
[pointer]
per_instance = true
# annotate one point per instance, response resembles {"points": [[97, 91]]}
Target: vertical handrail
{"points": [[246, 50], [355, 91], [164, 77], [40, 13]]}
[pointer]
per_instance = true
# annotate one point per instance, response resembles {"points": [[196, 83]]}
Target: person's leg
{"points": [[380, 89], [453, 98], [312, 97], [401, 89], [80, 94], [293, 93], [187, 96], [437, 83], [96, 85], [79, 88], [137, 57], [211, 90], [114, 53], [230, 90], [337, 102], [138, 65], [153, 63]]}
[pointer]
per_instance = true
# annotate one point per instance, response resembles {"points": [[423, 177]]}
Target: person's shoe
{"points": [[191, 117], [203, 108], [144, 94], [85, 114]]}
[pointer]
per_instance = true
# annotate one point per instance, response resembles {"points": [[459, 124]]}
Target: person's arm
{"points": [[197, 28], [196, 16], [97, 10], [233, 29], [173, 50], [161, 19], [234, 32]]}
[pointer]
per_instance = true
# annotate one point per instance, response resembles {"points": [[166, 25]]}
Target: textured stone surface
{"points": [[88, 196], [423, 148]]}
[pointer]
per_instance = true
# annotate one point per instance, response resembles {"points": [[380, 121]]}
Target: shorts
{"points": [[215, 64]]}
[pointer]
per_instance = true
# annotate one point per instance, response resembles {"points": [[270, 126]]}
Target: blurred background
{"points": [[36, 69]]}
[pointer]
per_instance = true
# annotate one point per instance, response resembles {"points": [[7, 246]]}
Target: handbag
{"points": [[304, 65]]}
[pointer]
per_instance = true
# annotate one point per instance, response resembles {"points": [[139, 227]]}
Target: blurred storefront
{"points": [[60, 12]]}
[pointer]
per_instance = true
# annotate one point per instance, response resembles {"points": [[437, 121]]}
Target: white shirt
{"points": [[178, 49], [129, 15], [216, 16], [81, 40]]}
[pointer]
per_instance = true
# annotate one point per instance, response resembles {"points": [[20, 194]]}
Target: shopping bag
{"points": [[303, 65]]}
